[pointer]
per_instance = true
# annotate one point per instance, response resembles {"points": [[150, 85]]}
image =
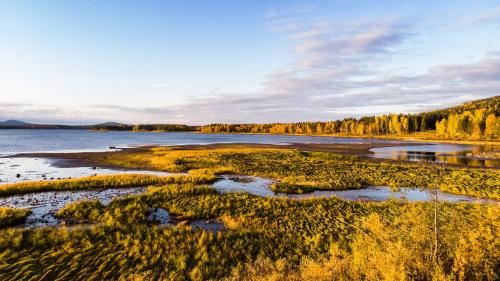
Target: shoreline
{"points": [[359, 149], [85, 159], [376, 137], [408, 138], [88, 159]]}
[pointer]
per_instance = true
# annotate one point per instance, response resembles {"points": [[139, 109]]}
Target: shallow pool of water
{"points": [[261, 187], [208, 225], [253, 185], [161, 218], [442, 153], [381, 193], [34, 169], [44, 204]]}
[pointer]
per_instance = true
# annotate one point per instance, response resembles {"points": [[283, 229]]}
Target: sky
{"points": [[200, 62]]}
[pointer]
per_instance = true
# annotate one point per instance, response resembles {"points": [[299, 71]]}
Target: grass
{"points": [[104, 181], [299, 172], [12, 216], [267, 239]]}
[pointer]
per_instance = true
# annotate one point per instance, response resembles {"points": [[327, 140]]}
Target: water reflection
{"points": [[208, 225], [253, 185], [34, 169], [44, 204], [261, 187], [470, 155], [159, 216], [382, 193]]}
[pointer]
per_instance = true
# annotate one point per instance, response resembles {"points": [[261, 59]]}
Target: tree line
{"points": [[474, 120], [146, 128]]}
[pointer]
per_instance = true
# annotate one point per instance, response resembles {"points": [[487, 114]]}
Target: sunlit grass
{"points": [[266, 238], [103, 182], [12, 216], [299, 172], [319, 239]]}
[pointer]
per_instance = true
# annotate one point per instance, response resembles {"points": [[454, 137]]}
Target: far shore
{"points": [[409, 138], [381, 137]]}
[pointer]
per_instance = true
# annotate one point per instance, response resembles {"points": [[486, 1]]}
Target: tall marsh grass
{"points": [[103, 182], [12, 216]]}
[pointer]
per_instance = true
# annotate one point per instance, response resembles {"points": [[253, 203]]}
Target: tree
{"points": [[492, 126], [441, 127], [319, 128]]}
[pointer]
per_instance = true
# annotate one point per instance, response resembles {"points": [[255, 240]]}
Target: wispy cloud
{"points": [[486, 17]]}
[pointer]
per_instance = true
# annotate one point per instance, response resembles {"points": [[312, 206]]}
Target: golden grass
{"points": [[103, 182], [12, 216]]}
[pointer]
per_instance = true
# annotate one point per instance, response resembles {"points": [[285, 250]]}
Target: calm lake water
{"points": [[18, 169], [17, 141]]}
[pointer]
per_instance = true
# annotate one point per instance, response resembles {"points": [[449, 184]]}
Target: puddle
{"points": [[249, 184], [208, 225], [44, 204], [260, 187], [159, 216], [382, 193], [442, 153], [34, 169]]}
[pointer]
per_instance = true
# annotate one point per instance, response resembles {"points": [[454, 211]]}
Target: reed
{"points": [[12, 216], [103, 182]]}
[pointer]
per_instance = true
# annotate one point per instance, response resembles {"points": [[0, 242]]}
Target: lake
{"points": [[20, 141], [17, 141], [16, 169]]}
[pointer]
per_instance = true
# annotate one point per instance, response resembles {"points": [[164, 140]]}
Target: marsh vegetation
{"points": [[255, 237], [301, 172], [265, 239]]}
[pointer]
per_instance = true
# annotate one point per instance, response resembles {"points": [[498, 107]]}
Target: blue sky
{"points": [[199, 62]]}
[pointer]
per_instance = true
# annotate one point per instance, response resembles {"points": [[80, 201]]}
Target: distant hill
{"points": [[111, 124], [14, 123], [106, 126]]}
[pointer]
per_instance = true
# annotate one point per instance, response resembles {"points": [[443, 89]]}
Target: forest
{"points": [[476, 120], [144, 127]]}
